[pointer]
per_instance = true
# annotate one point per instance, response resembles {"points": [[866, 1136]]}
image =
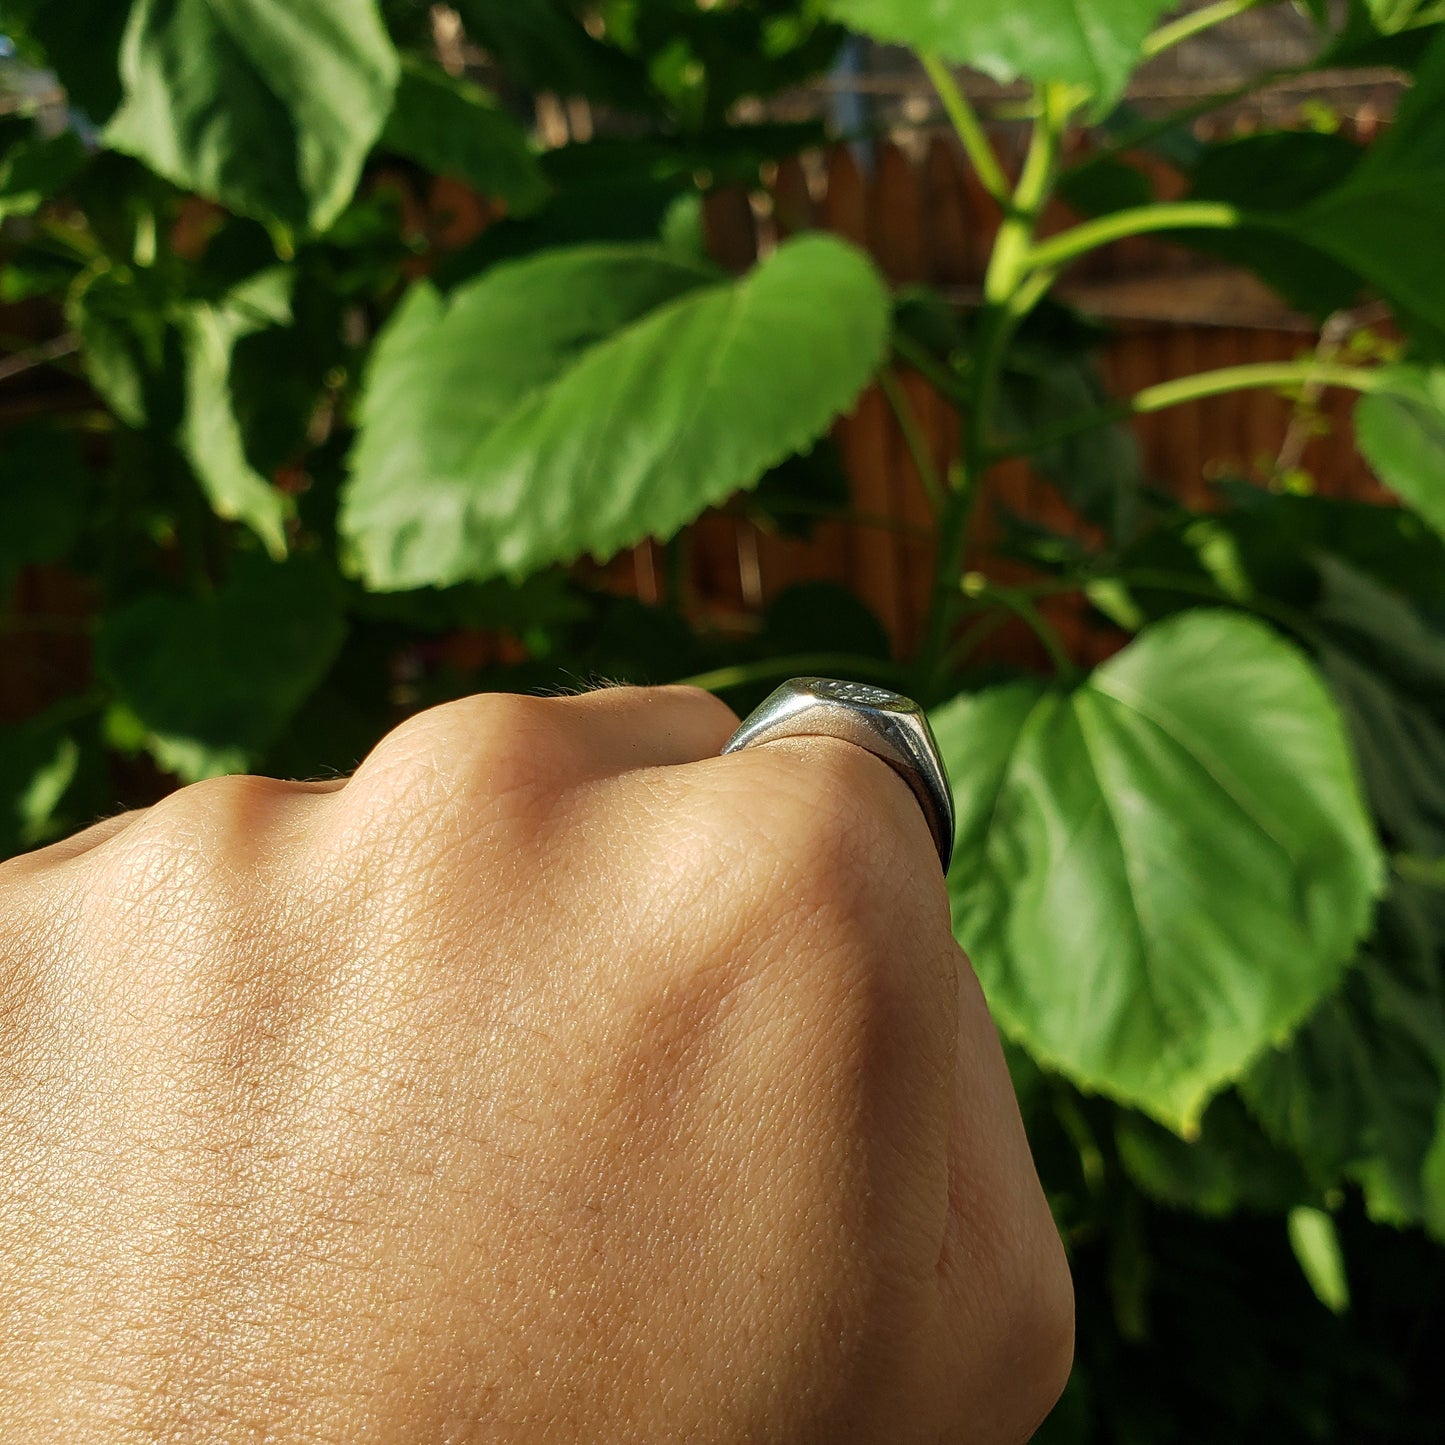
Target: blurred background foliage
{"points": [[348, 347]]}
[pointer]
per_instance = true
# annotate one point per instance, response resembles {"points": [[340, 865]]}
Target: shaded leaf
{"points": [[269, 109], [1385, 219], [211, 434], [1356, 1092], [544, 45], [212, 681], [455, 128], [1386, 666], [36, 169], [1103, 184], [812, 617], [80, 41], [47, 764], [1050, 377], [1400, 429], [1231, 1165], [125, 342], [802, 490], [544, 599], [1164, 869], [1276, 171], [44, 487], [585, 399]]}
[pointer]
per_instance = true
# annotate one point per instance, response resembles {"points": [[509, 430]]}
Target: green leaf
{"points": [[1277, 171], [35, 170], [124, 333], [1355, 1093], [1050, 377], [80, 41], [269, 109], [585, 399], [1317, 1247], [40, 760], [1092, 43], [44, 487], [1394, 33], [213, 681], [543, 45], [455, 128], [211, 435], [1433, 1179], [1231, 1166], [1386, 218], [1160, 872], [1400, 430], [801, 491], [1386, 666], [821, 617]]}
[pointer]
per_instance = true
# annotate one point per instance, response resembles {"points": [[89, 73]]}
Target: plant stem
{"points": [[968, 128], [1164, 580], [1008, 295], [976, 636], [1059, 250], [1170, 35], [1275, 374], [1021, 605], [944, 381], [720, 679], [913, 437], [1011, 247]]}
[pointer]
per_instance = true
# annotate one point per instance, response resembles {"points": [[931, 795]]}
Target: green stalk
{"points": [[1007, 299], [1058, 251], [1170, 35], [913, 437], [944, 380], [1165, 394], [1022, 606], [968, 128]]}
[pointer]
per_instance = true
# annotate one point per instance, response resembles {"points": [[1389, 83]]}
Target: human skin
{"points": [[550, 1079]]}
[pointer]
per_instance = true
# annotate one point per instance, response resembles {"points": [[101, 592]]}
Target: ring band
{"points": [[890, 726]]}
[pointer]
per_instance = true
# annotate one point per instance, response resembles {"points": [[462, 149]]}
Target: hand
{"points": [[552, 1078]]}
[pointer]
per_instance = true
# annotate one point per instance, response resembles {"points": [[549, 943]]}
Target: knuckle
{"points": [[703, 700], [1040, 1332], [1031, 1307], [500, 744], [200, 819]]}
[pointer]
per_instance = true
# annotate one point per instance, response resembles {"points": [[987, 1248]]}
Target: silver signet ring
{"points": [[890, 726]]}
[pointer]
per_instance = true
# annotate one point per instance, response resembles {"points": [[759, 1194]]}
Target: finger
{"points": [[87, 838], [645, 727], [492, 741], [103, 831]]}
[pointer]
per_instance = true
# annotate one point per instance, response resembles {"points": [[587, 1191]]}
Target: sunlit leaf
{"points": [[1165, 868], [211, 681], [585, 399]]}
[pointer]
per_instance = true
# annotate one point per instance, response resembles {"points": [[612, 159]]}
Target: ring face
{"points": [[890, 726]]}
